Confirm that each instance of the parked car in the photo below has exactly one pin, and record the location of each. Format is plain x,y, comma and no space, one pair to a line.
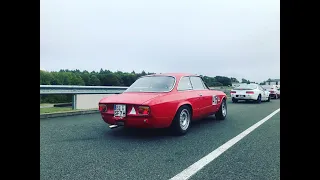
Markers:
274,90
163,100
249,92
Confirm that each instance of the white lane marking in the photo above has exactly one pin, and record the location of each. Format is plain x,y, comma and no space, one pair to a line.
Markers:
197,166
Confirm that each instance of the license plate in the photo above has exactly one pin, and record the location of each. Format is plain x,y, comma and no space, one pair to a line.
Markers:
119,110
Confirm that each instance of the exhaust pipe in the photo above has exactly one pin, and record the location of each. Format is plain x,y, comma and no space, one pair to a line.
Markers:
113,126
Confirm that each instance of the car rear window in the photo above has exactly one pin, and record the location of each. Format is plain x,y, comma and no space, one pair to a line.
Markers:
246,87
152,84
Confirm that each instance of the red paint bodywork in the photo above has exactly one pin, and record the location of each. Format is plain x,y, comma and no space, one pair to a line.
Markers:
163,106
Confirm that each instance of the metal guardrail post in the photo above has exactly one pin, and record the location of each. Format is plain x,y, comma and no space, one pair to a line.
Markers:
74,101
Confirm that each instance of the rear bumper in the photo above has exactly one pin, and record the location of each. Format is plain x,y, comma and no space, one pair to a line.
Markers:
137,121
244,96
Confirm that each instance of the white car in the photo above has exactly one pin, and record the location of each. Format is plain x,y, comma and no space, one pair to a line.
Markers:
274,90
249,92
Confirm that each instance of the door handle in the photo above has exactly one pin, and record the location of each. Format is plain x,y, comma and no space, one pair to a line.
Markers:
200,94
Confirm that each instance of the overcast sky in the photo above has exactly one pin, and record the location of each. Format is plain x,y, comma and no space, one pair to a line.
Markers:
209,37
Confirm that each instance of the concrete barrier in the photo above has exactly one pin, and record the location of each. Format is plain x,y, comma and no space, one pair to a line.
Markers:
89,101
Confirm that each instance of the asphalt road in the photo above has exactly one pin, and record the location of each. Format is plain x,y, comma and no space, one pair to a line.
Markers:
83,147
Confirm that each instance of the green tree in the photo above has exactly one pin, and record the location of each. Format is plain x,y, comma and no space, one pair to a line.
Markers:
245,81
93,81
234,80
85,76
223,80
45,78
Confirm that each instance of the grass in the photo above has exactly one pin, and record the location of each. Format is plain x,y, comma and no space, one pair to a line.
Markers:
54,109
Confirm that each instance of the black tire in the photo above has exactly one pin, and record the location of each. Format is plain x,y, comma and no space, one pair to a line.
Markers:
258,99
175,125
221,115
234,100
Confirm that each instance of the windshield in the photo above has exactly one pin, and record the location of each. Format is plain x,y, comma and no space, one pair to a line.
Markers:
152,84
246,87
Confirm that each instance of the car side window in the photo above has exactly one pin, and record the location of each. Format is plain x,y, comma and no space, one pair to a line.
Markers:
197,83
184,84
261,88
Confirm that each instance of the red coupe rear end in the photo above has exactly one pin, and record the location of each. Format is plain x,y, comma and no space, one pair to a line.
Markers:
164,100
131,115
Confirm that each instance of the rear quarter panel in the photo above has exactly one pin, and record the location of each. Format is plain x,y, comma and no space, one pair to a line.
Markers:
167,106
213,108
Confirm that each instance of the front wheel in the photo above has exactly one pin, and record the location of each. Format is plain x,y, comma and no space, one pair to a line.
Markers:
222,112
181,121
258,99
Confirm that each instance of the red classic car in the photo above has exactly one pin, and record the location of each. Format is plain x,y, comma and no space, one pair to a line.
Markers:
163,100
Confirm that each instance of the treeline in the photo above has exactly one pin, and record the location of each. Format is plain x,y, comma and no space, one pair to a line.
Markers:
105,78
85,78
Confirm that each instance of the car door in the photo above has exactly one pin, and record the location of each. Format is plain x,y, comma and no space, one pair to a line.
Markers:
186,92
209,107
205,98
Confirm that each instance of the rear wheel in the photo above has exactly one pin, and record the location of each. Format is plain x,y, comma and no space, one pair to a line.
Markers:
222,112
258,99
181,121
234,100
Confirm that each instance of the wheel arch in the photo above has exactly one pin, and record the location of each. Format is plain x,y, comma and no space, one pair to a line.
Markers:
188,104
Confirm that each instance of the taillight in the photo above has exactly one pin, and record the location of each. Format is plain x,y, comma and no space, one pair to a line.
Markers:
232,92
144,110
250,92
102,107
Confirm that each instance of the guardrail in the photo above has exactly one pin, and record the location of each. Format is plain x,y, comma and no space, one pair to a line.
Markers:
77,90
66,89
74,90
